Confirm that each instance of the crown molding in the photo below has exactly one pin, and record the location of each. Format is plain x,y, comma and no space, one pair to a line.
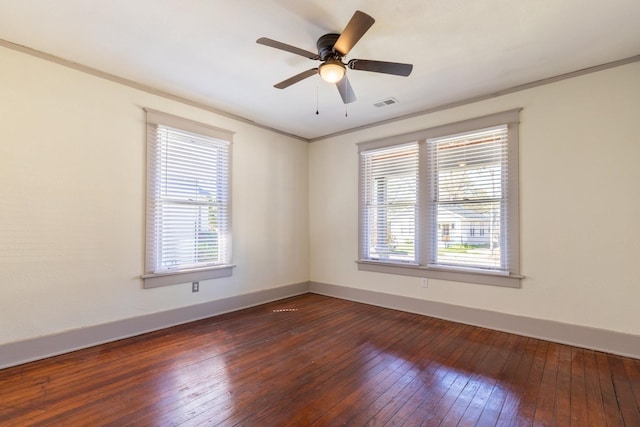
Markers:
154,91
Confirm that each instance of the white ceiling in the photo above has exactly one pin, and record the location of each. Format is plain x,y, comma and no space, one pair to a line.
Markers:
206,51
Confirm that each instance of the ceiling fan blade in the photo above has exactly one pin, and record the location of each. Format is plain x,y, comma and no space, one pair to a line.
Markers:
394,68
346,91
358,25
287,48
295,79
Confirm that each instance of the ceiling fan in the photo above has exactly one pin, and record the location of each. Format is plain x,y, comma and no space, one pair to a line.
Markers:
332,48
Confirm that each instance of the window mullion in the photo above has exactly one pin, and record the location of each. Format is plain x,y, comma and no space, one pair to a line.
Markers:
424,233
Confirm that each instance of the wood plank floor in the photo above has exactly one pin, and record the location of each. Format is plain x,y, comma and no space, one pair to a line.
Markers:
318,361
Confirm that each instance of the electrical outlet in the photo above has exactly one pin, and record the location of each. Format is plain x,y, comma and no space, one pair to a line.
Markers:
195,286
425,282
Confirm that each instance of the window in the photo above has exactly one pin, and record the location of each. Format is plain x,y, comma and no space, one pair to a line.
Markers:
390,177
188,201
443,202
469,173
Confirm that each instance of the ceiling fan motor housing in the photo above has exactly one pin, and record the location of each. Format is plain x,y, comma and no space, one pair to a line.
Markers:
325,47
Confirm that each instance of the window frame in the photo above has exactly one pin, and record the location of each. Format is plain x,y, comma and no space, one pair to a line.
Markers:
152,279
511,119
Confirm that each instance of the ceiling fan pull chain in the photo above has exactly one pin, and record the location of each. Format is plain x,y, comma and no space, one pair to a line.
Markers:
317,110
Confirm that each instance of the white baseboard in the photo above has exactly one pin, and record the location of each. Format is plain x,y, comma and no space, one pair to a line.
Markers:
17,353
564,333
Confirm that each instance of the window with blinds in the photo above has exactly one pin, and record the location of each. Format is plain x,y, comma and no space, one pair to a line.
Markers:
468,210
188,215
443,202
389,199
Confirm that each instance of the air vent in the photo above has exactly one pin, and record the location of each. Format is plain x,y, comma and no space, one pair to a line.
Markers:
385,102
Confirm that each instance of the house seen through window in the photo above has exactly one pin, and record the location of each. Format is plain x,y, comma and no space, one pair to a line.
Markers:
443,202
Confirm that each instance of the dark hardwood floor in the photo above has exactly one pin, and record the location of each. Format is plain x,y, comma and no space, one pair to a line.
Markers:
319,361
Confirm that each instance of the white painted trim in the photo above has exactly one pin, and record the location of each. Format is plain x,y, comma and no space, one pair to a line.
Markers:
146,88
154,280
165,119
139,86
16,353
510,281
576,335
479,98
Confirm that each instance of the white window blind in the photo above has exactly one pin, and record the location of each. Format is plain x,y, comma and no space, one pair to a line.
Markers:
443,202
188,222
389,179
468,194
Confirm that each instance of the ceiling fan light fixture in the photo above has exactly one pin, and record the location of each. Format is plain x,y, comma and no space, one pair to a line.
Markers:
332,71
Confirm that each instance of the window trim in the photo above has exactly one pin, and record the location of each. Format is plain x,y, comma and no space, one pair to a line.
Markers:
511,118
151,279
154,280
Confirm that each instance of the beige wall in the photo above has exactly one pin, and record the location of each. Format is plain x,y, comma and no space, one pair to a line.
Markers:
72,204
580,205
72,180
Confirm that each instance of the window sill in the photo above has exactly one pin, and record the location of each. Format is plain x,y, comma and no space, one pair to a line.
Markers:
482,278
154,280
